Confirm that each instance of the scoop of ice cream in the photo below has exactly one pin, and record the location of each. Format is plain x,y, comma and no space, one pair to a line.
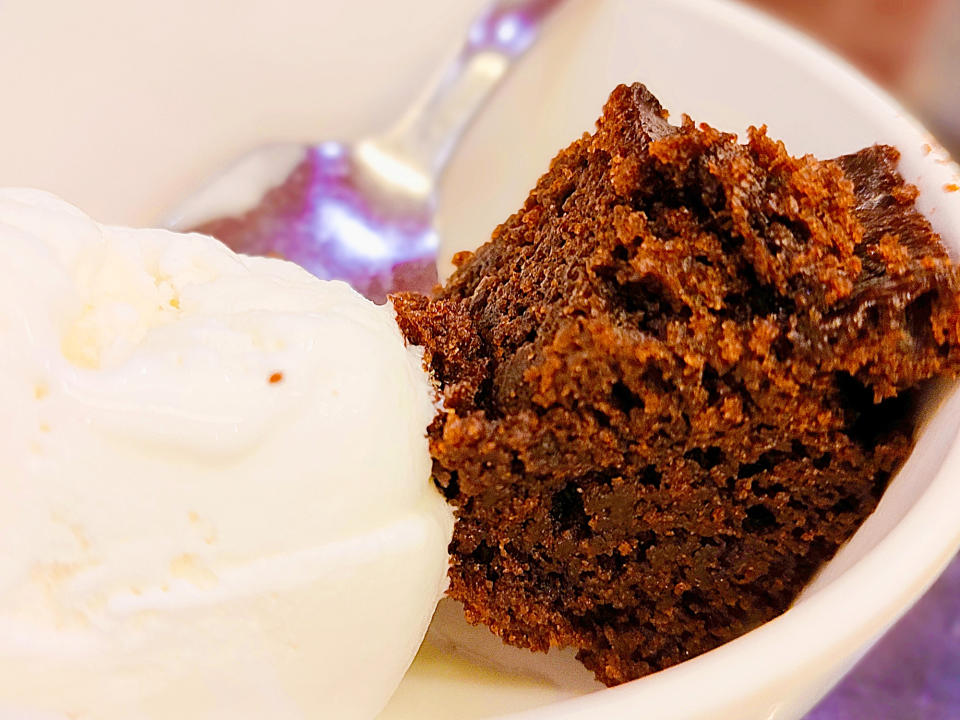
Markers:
216,497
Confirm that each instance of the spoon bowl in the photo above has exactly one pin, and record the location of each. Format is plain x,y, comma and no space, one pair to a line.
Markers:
357,213
363,212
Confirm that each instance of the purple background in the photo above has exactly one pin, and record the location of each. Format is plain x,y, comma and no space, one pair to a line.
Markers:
914,670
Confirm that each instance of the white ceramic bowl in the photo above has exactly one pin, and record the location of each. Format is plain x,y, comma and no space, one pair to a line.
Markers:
121,106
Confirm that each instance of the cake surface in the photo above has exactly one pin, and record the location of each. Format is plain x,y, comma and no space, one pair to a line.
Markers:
674,382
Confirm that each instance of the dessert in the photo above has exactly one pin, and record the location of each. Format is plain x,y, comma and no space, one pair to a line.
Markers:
675,382
216,496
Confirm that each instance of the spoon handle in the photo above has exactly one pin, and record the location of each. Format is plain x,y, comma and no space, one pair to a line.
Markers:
429,129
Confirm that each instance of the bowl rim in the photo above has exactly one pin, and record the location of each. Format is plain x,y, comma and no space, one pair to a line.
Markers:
856,607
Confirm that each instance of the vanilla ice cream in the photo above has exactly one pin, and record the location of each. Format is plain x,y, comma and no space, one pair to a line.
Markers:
215,496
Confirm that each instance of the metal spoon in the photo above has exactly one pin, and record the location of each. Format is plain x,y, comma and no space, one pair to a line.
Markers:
363,211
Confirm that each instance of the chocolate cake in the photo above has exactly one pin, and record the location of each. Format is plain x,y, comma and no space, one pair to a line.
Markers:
675,382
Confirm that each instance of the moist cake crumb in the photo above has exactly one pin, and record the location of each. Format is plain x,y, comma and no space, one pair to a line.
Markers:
675,382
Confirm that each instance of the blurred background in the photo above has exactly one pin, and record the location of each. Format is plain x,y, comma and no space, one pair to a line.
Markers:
912,48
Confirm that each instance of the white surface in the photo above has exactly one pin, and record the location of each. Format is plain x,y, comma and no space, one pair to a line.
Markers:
216,497
123,106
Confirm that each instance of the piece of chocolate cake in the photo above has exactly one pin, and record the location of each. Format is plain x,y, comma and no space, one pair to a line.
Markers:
675,382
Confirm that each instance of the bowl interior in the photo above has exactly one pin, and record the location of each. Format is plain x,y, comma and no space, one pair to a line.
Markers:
123,107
